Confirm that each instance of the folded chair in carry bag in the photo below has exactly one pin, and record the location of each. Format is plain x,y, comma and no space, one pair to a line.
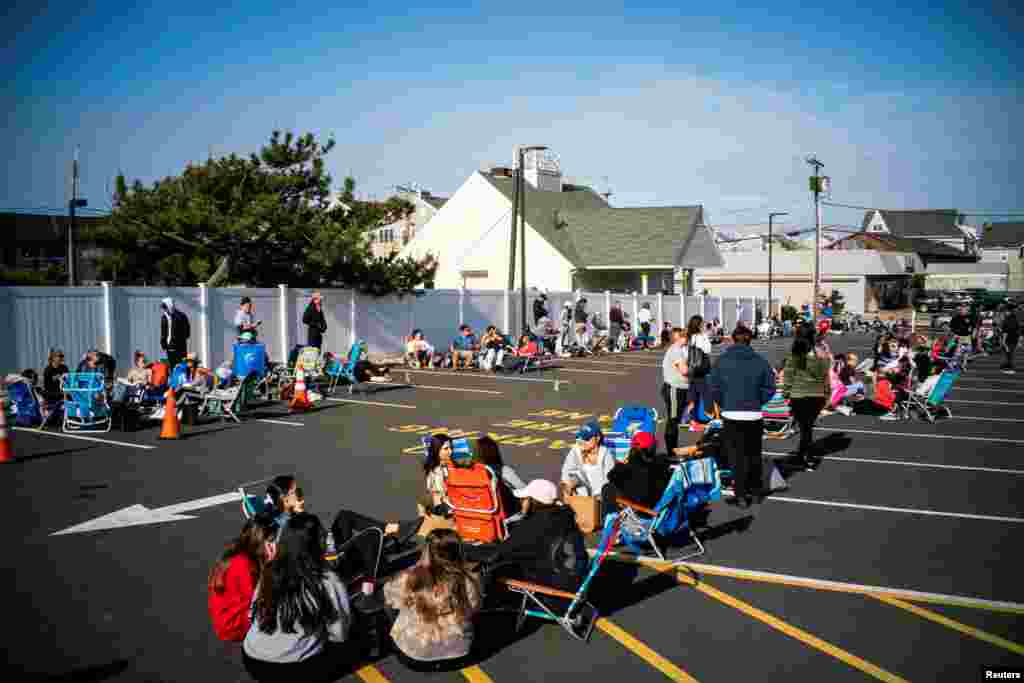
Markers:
642,527
85,402
778,418
579,616
28,410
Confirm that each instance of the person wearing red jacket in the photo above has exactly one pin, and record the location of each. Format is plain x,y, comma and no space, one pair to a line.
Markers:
233,578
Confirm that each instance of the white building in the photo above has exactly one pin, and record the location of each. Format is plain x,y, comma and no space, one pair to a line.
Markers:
574,239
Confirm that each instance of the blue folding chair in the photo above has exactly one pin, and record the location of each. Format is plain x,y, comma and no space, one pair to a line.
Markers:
85,402
345,371
579,616
669,520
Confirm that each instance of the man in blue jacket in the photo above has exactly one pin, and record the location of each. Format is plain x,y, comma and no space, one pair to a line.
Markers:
741,383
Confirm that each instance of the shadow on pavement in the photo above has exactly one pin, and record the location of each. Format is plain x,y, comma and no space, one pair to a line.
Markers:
51,454
91,674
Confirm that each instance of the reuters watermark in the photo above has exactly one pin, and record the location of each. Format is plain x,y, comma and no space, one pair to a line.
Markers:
1001,674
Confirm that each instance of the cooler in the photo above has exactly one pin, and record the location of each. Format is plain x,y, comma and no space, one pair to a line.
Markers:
249,358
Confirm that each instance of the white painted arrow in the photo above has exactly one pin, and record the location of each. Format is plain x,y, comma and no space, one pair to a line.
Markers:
137,514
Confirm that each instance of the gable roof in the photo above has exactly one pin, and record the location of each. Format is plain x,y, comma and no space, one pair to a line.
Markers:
918,222
1008,235
436,202
928,250
581,226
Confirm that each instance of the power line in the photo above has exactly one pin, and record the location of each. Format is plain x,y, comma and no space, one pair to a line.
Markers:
946,211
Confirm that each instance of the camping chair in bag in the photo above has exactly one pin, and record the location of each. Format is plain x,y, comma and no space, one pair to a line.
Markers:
670,517
778,418
579,616
85,402
29,411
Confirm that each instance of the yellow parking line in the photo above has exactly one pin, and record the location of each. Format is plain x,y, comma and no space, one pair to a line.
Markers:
827,585
474,674
792,631
645,653
955,625
370,674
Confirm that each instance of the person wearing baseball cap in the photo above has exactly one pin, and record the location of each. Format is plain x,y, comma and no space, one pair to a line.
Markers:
586,467
642,478
742,382
244,321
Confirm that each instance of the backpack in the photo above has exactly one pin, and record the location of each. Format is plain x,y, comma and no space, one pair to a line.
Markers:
698,361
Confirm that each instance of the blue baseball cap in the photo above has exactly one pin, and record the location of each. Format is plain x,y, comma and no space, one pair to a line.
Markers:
588,431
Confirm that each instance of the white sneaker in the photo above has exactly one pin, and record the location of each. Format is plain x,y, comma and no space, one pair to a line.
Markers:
1009,372
845,410
890,417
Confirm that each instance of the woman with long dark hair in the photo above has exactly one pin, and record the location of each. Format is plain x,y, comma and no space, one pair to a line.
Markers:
285,498
698,358
806,386
440,448
233,578
301,608
436,601
487,452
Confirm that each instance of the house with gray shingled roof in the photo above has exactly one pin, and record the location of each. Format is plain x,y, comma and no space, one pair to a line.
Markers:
1004,243
944,226
574,238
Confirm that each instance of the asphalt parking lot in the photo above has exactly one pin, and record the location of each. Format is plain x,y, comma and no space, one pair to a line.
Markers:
894,560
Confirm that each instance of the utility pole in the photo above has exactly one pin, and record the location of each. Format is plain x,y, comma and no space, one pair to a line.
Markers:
771,217
816,189
516,172
522,241
75,203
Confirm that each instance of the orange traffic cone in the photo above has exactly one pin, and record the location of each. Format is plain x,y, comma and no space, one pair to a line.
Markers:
6,452
300,399
171,429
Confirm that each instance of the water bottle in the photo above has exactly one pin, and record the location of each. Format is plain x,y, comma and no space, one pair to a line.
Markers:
330,543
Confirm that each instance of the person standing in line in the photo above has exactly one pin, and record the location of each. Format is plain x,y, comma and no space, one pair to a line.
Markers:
244,320
580,319
674,386
540,308
698,358
1010,331
315,322
174,332
741,383
615,324
644,318
806,386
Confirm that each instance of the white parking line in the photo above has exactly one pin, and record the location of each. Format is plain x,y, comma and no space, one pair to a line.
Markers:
593,372
920,436
79,437
909,511
493,376
988,419
280,422
431,386
370,403
907,463
956,387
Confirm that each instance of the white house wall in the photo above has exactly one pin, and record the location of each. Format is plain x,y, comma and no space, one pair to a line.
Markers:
471,233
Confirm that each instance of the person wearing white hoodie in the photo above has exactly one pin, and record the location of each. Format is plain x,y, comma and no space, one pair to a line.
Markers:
174,332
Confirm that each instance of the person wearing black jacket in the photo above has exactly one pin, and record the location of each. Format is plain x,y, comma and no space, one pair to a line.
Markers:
961,325
316,324
174,332
540,309
642,478
544,547
741,383
1010,330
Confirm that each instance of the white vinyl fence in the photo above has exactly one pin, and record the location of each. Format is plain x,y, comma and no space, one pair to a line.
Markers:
121,320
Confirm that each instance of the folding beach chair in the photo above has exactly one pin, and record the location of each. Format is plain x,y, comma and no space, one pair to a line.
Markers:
85,402
633,418
345,371
642,527
28,411
472,494
579,616
931,403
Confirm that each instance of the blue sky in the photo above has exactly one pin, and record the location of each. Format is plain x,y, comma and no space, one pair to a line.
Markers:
907,107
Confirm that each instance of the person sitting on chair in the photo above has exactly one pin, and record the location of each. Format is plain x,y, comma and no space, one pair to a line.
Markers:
642,478
434,604
586,467
462,348
544,547
55,369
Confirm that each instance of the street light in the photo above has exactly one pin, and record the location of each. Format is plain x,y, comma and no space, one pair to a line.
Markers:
771,217
519,200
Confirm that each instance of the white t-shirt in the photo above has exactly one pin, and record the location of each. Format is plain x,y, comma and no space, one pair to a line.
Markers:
644,315
702,342
589,479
